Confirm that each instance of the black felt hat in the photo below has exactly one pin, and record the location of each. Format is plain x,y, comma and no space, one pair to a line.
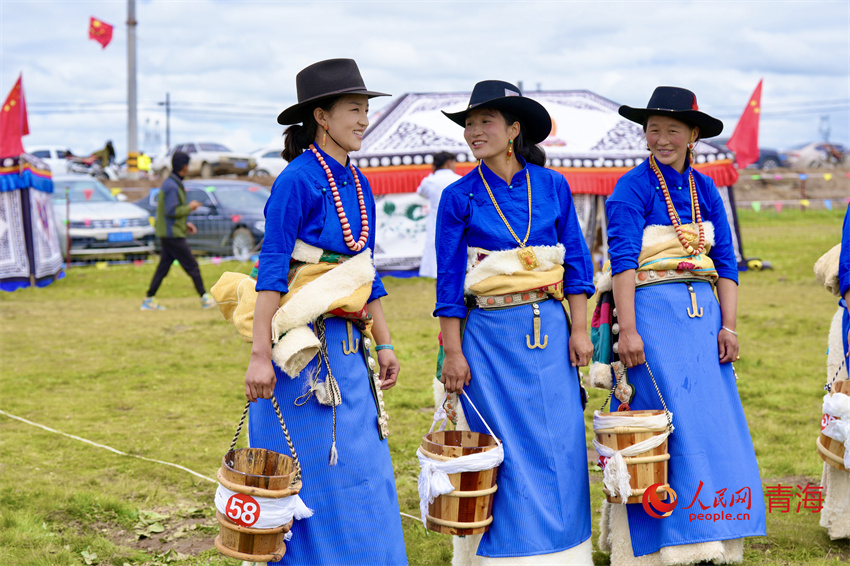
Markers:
677,103
325,79
499,95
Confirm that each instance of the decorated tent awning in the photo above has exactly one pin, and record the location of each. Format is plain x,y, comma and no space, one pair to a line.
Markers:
30,252
590,143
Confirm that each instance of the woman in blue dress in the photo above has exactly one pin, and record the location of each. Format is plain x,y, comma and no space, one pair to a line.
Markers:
318,206
509,241
671,247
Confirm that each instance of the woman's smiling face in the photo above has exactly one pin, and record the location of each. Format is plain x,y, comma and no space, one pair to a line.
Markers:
347,121
668,140
487,133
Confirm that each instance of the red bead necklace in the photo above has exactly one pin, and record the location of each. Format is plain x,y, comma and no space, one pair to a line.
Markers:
674,217
343,220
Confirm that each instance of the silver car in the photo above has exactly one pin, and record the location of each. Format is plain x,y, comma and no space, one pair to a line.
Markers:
99,224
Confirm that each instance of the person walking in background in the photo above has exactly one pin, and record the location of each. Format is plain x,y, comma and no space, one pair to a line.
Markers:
443,174
172,227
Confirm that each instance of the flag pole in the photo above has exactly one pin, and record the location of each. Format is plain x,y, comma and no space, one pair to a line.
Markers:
132,135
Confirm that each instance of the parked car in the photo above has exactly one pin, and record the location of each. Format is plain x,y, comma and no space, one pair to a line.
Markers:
230,220
56,157
269,162
816,154
100,225
768,158
207,159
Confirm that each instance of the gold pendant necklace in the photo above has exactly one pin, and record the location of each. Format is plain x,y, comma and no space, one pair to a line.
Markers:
527,257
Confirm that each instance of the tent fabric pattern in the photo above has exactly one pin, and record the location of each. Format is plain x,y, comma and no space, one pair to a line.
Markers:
590,143
30,252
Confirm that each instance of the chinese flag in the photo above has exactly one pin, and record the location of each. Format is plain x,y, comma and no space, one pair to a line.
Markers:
13,122
745,139
100,31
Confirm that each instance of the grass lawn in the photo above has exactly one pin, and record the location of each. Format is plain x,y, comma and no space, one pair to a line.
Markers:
79,357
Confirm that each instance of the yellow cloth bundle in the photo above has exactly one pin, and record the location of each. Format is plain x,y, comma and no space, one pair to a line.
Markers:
502,272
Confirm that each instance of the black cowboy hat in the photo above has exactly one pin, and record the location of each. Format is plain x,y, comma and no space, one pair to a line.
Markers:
325,79
499,95
677,103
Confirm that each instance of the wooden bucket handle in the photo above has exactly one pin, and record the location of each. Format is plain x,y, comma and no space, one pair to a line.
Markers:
297,476
657,390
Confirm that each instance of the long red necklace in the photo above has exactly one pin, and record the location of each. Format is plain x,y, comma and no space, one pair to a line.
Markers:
343,220
674,217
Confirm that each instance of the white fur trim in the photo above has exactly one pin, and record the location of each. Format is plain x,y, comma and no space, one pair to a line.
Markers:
600,376
506,262
295,350
658,233
314,298
826,270
306,253
605,282
614,526
835,515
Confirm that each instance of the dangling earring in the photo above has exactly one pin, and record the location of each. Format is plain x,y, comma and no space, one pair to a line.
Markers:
691,150
510,149
647,147
325,137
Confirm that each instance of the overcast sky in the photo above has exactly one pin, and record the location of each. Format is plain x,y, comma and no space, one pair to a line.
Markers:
230,66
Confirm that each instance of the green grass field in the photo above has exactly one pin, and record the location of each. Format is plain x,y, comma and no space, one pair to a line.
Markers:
79,357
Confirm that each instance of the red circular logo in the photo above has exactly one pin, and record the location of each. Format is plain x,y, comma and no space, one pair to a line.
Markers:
651,501
243,509
825,420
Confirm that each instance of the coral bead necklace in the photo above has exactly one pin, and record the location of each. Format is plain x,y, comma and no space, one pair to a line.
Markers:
674,217
343,220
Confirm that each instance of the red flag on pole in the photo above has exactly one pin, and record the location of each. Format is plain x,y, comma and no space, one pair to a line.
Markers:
13,121
745,139
100,31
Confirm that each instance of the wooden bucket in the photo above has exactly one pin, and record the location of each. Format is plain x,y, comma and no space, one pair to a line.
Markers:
830,450
468,510
262,473
646,469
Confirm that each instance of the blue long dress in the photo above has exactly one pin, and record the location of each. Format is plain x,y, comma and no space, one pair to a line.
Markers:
712,460
354,501
844,277
530,398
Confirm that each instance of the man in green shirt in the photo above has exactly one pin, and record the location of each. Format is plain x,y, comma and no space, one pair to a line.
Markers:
172,227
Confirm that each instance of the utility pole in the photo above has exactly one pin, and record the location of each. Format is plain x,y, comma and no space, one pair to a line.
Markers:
132,134
167,105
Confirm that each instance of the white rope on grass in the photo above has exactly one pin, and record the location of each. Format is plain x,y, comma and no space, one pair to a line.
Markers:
47,428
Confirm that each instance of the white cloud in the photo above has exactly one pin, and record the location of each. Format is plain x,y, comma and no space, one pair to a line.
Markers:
244,56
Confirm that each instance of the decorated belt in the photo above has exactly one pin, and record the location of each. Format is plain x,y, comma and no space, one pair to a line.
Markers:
653,277
510,300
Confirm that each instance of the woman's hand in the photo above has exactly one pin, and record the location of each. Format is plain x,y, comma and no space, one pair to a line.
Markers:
260,378
191,229
630,348
727,346
581,349
455,373
389,368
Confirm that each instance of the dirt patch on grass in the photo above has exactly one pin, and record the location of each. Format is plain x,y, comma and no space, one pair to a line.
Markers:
190,536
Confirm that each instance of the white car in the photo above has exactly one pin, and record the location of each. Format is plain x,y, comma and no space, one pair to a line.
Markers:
207,159
100,225
269,162
56,157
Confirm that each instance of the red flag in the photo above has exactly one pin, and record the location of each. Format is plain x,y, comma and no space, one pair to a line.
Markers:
13,121
100,31
745,139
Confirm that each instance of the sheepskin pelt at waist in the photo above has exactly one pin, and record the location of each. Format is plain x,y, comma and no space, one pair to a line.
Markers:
501,272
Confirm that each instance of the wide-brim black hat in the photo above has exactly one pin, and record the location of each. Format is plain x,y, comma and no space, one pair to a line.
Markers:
322,80
679,103
499,95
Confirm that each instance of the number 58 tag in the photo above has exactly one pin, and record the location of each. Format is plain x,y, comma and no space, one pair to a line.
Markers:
243,509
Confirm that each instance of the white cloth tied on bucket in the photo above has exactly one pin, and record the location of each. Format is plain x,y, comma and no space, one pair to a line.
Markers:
434,474
616,475
837,406
272,512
